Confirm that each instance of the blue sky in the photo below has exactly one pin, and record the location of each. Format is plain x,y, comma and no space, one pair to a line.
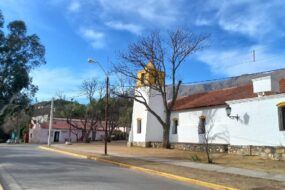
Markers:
74,30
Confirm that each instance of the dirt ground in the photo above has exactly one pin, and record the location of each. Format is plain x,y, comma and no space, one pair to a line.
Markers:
239,161
236,181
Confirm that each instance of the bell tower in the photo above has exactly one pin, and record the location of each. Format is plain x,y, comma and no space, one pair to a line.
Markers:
149,76
145,126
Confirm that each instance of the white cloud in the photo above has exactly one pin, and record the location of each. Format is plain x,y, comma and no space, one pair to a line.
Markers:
163,12
136,29
95,38
53,80
74,6
240,61
203,22
247,17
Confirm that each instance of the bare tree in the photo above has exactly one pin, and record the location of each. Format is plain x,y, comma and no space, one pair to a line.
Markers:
60,95
84,117
166,56
205,137
89,87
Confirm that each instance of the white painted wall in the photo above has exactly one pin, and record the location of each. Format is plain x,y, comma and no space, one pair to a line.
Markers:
265,84
188,120
40,135
139,112
40,119
151,129
259,123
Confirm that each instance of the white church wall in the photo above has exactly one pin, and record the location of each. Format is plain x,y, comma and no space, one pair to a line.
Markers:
188,120
139,112
154,130
258,124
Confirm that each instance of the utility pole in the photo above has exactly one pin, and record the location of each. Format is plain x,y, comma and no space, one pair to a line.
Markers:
106,113
50,122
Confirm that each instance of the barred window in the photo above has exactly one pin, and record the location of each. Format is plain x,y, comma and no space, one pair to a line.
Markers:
139,126
281,112
175,126
201,126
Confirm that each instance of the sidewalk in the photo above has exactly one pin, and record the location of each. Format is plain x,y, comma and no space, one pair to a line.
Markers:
189,164
174,162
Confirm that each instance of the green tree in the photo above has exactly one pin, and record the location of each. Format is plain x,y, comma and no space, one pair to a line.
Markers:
19,54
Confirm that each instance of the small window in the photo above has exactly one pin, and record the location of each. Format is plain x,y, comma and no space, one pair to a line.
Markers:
139,126
201,125
281,111
175,126
142,78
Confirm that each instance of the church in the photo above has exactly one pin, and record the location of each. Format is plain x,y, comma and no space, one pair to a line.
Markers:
245,119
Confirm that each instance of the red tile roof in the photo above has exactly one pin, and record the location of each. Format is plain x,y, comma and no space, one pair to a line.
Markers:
218,97
282,85
61,123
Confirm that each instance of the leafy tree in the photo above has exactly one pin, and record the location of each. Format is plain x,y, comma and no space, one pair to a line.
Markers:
166,54
119,114
87,118
19,54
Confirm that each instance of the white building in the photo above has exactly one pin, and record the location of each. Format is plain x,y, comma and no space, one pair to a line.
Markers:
61,131
257,116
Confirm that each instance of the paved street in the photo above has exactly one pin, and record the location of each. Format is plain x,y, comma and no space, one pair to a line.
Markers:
27,167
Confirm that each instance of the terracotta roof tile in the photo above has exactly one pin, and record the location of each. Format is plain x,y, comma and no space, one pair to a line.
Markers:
219,97
282,85
60,123
214,98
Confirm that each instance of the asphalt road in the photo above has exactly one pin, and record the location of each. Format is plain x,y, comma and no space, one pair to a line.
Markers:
27,167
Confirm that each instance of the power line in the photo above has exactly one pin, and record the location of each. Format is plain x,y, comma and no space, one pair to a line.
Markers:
227,78
210,80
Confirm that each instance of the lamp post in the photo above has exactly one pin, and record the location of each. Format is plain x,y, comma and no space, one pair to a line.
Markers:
91,61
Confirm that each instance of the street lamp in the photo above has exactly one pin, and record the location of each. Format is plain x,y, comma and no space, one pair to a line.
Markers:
229,110
91,61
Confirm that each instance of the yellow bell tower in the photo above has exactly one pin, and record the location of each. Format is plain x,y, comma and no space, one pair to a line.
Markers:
149,76
145,127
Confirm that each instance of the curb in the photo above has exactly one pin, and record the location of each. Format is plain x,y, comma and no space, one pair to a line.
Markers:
145,170
1,187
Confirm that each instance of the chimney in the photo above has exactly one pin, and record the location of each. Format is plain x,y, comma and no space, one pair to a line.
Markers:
266,85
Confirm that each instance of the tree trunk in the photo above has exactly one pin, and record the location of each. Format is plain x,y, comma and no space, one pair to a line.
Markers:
93,134
83,135
208,153
166,129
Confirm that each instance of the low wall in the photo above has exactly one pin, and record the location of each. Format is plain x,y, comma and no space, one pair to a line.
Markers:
266,152
140,144
215,148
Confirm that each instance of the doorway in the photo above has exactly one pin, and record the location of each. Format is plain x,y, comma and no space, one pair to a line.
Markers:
56,136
